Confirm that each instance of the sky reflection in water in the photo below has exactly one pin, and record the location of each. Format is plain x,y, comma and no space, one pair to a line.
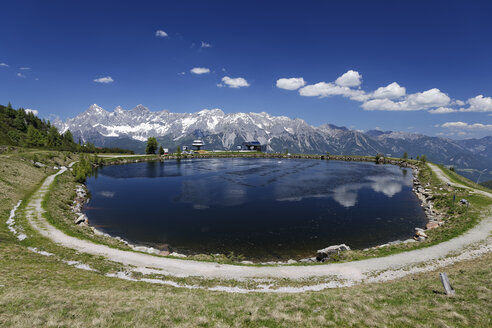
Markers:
261,208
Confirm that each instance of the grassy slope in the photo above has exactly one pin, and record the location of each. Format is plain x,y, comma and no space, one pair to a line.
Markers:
40,291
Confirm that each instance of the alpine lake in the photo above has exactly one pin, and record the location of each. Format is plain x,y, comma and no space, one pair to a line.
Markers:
262,209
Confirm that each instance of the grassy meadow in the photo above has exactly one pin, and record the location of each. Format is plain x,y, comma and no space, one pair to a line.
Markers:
41,291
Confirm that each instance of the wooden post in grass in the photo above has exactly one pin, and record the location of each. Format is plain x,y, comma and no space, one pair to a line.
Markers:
446,284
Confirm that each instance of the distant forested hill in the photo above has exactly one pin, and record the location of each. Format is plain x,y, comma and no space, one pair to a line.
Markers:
487,184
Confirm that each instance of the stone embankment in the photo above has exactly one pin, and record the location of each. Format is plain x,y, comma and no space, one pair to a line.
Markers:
81,197
424,193
346,158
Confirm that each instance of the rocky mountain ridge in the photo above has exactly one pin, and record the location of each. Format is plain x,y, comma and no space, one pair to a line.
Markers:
131,128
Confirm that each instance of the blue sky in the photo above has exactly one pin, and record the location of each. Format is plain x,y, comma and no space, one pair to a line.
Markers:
438,53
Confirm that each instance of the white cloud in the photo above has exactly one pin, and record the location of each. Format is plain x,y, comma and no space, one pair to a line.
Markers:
430,98
323,89
391,91
206,45
34,111
200,70
105,79
3,65
442,110
160,34
466,126
416,101
392,97
237,82
181,73
292,83
478,104
349,79
24,68
21,75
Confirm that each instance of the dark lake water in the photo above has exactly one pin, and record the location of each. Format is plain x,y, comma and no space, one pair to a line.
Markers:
260,208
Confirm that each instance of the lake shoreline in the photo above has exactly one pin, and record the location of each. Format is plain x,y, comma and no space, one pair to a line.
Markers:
164,252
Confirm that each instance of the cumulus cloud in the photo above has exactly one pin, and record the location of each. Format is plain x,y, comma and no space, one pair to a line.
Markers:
391,91
34,111
416,101
323,89
24,68
466,126
237,82
430,98
3,65
292,83
160,34
206,45
349,79
478,104
105,79
21,75
442,110
392,97
200,70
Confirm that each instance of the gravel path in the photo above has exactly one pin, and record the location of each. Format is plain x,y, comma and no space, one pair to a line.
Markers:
386,268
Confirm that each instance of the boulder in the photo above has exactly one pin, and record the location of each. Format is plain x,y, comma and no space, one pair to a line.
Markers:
246,262
420,233
81,219
141,249
152,250
432,225
291,261
323,254
177,254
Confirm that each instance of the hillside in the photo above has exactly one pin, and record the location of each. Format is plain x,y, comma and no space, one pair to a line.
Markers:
22,128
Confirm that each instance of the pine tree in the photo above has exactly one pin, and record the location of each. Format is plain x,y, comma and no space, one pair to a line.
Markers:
161,150
151,146
34,138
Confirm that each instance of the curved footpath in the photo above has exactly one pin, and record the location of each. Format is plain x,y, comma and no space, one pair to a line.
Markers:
374,269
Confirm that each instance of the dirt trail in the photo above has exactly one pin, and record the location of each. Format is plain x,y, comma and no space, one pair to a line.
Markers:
375,269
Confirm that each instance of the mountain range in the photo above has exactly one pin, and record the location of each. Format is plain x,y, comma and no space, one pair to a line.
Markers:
130,129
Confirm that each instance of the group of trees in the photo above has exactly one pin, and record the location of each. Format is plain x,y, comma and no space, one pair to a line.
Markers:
23,128
152,146
421,158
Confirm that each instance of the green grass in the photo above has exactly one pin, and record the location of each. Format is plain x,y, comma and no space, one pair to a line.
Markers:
455,177
39,291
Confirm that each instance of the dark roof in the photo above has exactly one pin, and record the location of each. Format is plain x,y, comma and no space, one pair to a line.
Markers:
254,143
